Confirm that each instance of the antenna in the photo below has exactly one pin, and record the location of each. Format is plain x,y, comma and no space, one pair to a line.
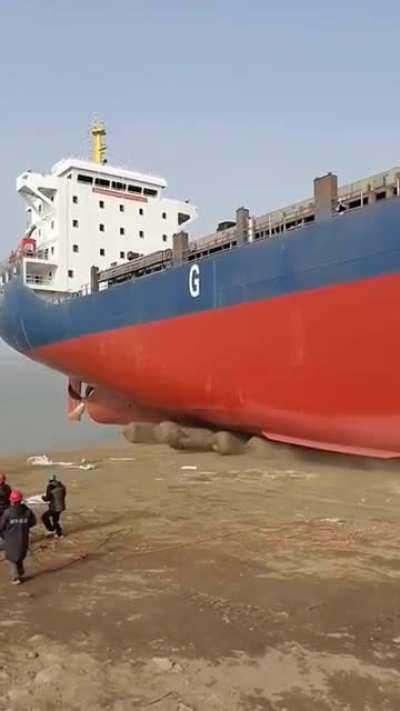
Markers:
99,148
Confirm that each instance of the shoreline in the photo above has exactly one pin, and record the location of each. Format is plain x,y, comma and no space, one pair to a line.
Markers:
61,453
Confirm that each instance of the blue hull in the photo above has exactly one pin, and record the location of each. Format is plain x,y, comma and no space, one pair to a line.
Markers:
351,247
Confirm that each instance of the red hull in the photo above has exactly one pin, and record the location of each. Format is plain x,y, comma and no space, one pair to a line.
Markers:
316,368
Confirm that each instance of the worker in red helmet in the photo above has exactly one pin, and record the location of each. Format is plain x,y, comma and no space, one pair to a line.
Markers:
5,492
15,525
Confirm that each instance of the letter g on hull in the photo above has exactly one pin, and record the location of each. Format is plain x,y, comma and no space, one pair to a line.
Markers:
194,281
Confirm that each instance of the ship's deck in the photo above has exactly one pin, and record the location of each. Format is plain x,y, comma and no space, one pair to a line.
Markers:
351,197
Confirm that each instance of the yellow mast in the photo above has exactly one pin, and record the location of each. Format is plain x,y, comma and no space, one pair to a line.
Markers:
98,132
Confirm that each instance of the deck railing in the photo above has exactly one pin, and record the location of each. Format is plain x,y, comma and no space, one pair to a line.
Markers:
269,226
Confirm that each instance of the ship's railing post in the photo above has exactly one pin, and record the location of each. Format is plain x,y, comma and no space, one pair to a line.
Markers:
242,224
325,196
180,244
94,279
252,229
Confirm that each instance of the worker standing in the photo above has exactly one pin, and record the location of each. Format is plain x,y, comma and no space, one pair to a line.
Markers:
5,491
55,497
15,524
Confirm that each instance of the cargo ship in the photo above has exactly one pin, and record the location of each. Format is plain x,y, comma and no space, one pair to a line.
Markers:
284,325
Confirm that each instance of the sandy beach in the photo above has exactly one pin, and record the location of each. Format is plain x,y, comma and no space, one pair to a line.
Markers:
208,583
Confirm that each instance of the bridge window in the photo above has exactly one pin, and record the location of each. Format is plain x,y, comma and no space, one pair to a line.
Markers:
102,182
134,189
150,191
118,186
84,178
381,195
182,217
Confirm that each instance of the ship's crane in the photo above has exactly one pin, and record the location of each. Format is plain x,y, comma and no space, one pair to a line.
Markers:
99,147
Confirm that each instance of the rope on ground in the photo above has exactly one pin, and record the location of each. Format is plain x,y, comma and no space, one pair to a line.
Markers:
156,701
83,555
318,533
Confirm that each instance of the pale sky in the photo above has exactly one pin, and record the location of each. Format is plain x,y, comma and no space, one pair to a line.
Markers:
234,103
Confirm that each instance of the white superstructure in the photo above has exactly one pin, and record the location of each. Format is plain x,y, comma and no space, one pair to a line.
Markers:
85,214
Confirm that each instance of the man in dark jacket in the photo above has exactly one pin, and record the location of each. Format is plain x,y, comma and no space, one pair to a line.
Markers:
5,492
55,496
15,524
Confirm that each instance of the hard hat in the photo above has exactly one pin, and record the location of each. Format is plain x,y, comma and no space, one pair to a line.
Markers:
16,496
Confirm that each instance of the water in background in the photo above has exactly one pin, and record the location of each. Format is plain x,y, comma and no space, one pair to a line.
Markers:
33,416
